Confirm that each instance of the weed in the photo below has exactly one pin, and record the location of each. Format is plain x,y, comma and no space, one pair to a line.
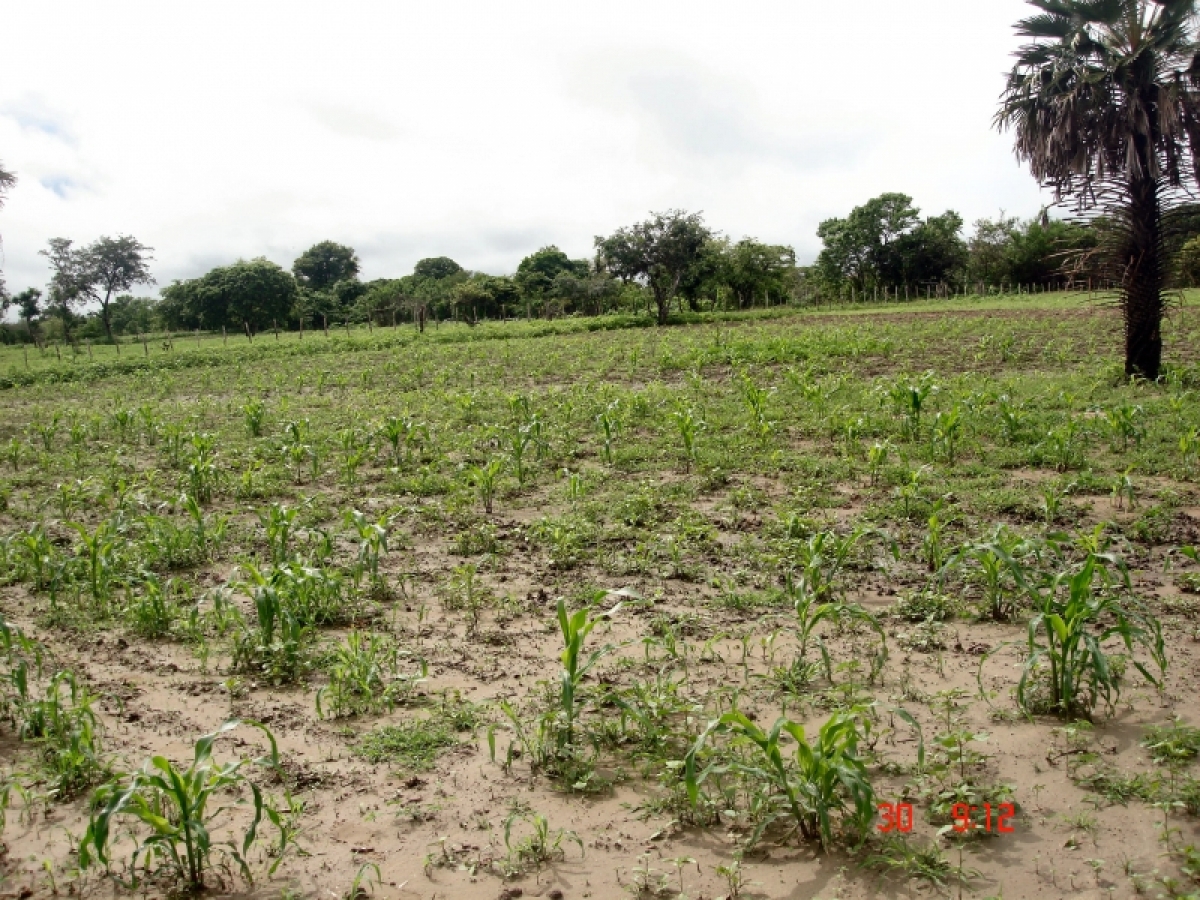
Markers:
365,677
540,844
898,853
411,746
1173,744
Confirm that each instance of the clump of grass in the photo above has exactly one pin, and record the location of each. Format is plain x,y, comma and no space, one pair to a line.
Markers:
415,744
926,861
923,606
1174,743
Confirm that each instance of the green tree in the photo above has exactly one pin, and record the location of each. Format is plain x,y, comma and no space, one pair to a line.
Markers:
1043,251
657,252
1104,103
755,270
932,251
431,286
437,268
382,299
252,294
69,281
859,248
1187,264
538,273
989,248
323,265
134,315
28,304
478,297
111,266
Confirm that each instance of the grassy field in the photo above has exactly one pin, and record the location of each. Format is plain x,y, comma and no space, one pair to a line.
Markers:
592,609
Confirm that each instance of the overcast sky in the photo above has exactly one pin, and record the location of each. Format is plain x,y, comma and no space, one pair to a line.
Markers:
484,130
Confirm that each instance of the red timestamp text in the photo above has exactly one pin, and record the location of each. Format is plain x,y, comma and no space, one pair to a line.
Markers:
895,817
898,817
987,818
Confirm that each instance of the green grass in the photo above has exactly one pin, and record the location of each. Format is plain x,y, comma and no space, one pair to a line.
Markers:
411,746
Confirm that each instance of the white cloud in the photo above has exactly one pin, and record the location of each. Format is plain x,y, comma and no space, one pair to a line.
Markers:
483,131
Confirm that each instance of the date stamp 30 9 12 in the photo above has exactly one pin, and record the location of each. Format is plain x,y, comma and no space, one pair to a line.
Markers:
898,817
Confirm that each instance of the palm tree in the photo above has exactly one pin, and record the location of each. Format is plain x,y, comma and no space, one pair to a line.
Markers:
1105,104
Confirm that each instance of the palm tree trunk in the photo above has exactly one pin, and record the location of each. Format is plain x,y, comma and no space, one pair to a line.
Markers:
1143,281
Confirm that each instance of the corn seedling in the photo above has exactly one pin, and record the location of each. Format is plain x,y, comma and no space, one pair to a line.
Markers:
688,426
1123,491
1125,422
810,614
254,414
998,562
154,612
540,845
372,543
1189,447
910,401
173,804
1064,447
1013,419
575,627
755,399
100,556
520,438
485,480
65,728
202,471
610,425
933,544
811,785
403,435
365,677
820,559
947,431
877,457
1063,637
277,646
278,522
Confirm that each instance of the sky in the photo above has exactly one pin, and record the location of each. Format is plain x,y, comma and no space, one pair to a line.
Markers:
481,130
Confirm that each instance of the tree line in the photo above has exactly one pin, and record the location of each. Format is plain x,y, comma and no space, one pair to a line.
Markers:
670,262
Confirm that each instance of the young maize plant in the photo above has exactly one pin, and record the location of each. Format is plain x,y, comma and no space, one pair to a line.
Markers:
254,412
1066,638
812,785
485,480
688,425
174,807
610,426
